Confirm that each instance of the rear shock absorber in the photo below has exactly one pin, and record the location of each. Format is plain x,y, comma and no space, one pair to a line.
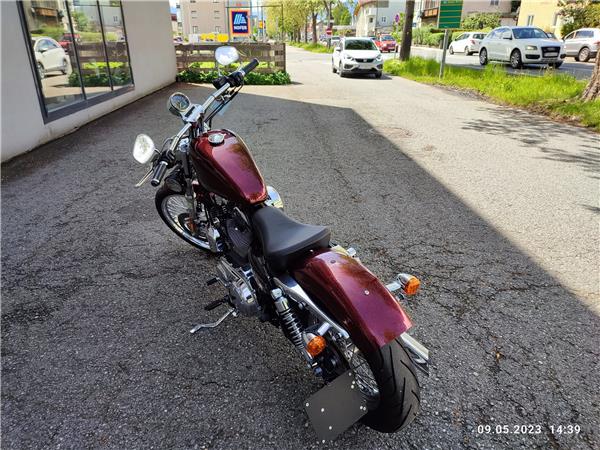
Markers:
288,319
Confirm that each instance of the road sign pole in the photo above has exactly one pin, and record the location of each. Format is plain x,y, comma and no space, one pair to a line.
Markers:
446,38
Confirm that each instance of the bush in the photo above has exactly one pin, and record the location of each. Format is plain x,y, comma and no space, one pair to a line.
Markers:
315,48
435,39
479,21
94,77
253,78
579,14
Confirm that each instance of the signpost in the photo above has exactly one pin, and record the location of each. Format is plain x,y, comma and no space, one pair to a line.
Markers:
448,18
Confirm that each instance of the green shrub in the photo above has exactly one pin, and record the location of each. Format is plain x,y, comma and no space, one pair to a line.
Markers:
315,48
479,21
253,78
121,75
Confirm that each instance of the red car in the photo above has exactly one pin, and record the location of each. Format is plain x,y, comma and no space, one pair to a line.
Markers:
67,40
386,43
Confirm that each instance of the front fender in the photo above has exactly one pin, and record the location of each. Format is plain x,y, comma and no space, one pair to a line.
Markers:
355,298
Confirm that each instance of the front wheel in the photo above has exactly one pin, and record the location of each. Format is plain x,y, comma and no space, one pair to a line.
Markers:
483,58
172,208
515,59
583,55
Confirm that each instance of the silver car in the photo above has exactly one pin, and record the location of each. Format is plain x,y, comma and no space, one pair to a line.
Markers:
466,43
583,44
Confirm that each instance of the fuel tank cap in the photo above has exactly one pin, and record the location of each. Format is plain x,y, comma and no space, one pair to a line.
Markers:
216,138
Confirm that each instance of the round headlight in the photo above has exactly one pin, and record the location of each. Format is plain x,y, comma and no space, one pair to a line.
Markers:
143,149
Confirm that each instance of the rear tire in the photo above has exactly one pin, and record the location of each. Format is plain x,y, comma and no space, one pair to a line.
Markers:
333,69
399,391
451,50
583,55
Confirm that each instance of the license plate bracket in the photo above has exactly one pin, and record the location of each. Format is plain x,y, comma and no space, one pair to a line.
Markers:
336,407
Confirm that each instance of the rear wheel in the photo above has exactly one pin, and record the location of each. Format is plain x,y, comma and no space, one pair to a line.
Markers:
64,68
451,50
333,69
172,208
388,381
41,71
583,55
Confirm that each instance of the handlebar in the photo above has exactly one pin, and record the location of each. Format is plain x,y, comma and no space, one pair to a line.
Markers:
159,173
249,67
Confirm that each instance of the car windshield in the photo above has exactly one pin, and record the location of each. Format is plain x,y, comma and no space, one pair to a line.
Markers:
361,44
387,38
529,33
478,36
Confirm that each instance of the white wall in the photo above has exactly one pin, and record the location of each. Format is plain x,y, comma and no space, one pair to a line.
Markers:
152,56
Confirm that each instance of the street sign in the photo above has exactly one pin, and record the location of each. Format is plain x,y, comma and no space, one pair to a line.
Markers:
240,22
328,31
450,13
260,24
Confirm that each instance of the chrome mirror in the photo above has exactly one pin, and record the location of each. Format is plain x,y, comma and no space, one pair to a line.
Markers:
226,55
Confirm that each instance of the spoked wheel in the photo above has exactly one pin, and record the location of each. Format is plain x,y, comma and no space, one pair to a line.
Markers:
173,210
388,381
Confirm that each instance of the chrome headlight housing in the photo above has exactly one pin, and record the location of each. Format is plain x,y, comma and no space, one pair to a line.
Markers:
530,47
348,58
379,58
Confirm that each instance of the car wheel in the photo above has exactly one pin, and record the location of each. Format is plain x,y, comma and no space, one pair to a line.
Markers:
468,51
378,74
333,69
515,59
451,50
64,68
340,71
583,55
41,71
483,59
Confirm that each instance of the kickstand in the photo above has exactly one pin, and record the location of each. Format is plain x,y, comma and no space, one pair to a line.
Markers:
214,324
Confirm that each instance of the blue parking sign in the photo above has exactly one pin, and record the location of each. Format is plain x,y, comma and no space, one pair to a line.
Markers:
240,19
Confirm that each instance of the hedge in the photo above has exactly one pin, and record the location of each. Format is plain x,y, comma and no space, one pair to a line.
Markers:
254,78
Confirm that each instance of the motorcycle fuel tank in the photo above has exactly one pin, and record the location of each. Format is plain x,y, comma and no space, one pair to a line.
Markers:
225,167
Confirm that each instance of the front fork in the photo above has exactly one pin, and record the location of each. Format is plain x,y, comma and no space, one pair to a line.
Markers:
184,151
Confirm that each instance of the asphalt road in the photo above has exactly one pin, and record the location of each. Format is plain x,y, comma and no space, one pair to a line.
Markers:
496,210
579,70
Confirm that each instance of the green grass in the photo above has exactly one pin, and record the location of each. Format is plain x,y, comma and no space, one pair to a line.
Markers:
315,48
552,93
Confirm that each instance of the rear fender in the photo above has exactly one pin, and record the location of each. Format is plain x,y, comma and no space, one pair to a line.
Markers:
355,298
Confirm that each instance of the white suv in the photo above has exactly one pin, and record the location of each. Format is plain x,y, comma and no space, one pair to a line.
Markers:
357,55
583,44
519,46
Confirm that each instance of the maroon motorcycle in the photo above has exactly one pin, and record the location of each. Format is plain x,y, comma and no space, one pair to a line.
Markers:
349,328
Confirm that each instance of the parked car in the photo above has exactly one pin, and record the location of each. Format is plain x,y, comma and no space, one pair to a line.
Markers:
552,36
583,44
67,40
357,55
386,43
49,56
466,43
519,46
178,40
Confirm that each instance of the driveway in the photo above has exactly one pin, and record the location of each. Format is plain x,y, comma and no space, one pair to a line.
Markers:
496,210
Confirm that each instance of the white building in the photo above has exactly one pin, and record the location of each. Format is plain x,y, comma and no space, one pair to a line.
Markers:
375,16
66,63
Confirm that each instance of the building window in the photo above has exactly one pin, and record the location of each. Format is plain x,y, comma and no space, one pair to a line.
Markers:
79,51
217,14
530,20
217,29
383,19
370,20
494,2
195,29
194,14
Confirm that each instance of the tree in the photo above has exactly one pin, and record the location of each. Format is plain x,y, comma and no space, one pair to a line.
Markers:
341,15
81,20
592,90
579,14
479,21
407,31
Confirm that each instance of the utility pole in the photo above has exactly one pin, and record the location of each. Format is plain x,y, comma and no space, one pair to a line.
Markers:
407,31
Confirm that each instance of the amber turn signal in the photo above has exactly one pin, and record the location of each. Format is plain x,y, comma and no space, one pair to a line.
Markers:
316,345
411,287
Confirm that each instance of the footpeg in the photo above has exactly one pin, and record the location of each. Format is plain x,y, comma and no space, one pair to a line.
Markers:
229,312
216,303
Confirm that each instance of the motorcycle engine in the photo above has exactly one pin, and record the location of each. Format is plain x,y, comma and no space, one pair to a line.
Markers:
237,281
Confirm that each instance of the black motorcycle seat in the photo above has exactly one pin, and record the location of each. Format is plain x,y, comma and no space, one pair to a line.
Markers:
283,239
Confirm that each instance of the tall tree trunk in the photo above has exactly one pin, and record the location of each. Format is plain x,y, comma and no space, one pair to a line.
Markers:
407,31
592,90
306,31
314,27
